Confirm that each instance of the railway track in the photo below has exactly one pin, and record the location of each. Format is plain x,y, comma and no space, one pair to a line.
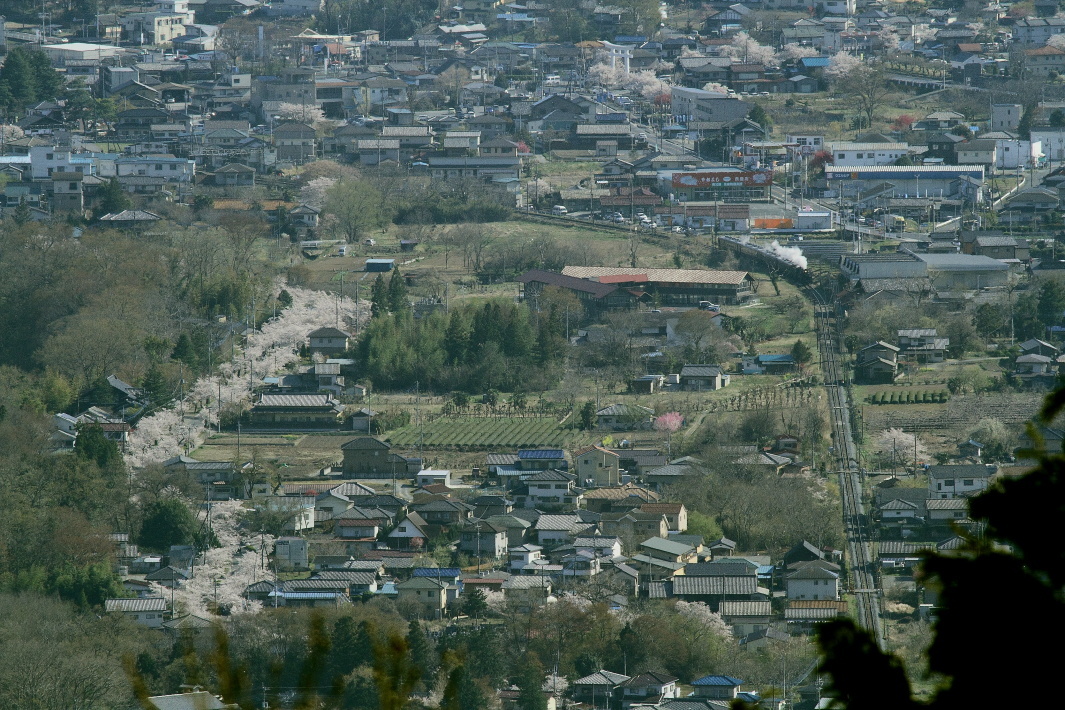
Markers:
862,576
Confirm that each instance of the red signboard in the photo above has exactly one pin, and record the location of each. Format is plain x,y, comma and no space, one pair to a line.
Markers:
722,178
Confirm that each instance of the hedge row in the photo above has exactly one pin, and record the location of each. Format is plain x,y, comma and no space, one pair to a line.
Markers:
909,397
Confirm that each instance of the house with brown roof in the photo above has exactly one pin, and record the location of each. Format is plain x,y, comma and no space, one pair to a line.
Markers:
596,466
675,513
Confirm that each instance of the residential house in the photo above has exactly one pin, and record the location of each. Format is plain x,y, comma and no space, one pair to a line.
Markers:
618,499
717,687
675,513
555,489
624,417
524,556
602,688
803,615
290,553
923,345
1034,346
483,539
368,457
527,591
295,142
898,512
330,341
946,511
815,579
429,593
296,412
649,687
699,378
663,549
146,611
746,616
599,545
959,480
634,524
640,461
234,175
878,363
1044,61
411,533
597,467
802,552
554,530
443,512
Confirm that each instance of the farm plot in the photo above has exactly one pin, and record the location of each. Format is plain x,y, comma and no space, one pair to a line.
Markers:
485,433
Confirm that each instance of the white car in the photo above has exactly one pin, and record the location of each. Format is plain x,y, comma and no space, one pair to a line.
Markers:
677,229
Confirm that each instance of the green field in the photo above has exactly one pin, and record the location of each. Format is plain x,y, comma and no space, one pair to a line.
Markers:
486,433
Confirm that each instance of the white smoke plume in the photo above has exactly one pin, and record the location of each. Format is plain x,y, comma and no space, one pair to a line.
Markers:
792,255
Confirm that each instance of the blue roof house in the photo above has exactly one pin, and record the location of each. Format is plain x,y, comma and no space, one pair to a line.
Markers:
719,687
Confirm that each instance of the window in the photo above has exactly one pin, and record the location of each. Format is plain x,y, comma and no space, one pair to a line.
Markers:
967,482
73,186
949,482
49,156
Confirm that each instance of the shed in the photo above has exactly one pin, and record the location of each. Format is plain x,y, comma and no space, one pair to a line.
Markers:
380,264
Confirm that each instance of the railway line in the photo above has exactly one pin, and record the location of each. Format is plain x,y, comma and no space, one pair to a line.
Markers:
861,566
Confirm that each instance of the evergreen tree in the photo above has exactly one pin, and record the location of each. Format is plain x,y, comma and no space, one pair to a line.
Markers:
112,198
801,352
378,298
457,337
184,351
397,293
587,415
168,522
156,386
421,653
91,444
1051,302
530,682
352,645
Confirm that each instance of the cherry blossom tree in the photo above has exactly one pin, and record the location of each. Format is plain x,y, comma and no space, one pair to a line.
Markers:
842,64
794,51
314,192
311,114
895,444
746,49
669,423
603,73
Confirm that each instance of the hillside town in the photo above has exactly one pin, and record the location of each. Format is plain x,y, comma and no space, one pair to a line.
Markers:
519,355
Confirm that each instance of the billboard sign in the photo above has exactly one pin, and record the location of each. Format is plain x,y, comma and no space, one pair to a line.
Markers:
723,178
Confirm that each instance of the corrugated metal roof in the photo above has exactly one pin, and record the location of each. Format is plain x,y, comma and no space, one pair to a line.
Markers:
709,586
136,605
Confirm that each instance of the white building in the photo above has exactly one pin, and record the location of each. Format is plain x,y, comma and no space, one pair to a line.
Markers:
46,159
847,153
160,26
959,480
168,167
1051,142
147,611
1006,117
817,580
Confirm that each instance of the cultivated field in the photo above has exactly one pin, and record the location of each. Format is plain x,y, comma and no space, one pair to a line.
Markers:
505,433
